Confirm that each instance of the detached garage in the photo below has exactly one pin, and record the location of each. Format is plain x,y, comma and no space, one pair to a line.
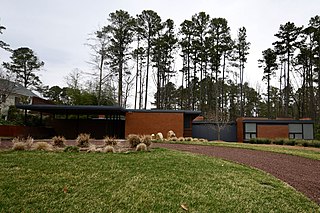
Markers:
248,128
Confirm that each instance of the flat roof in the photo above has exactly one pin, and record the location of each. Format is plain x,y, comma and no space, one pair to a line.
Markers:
189,112
74,110
93,109
278,121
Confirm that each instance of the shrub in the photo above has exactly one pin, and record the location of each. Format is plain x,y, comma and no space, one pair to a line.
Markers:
181,139
44,146
71,149
159,136
153,137
59,141
203,140
29,142
289,142
17,140
173,139
83,140
253,140
134,140
146,139
92,148
278,141
171,134
141,147
260,141
19,146
195,140
188,139
110,141
109,149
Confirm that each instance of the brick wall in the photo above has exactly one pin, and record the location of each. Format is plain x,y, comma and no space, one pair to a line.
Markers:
272,131
152,123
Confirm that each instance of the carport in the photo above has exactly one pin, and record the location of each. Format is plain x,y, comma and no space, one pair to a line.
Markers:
69,121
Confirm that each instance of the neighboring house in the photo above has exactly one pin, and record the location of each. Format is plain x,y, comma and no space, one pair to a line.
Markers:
12,93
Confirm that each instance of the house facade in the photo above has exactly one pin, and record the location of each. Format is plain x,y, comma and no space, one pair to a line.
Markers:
12,93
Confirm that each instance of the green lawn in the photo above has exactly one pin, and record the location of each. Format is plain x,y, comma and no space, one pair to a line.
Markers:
312,153
156,181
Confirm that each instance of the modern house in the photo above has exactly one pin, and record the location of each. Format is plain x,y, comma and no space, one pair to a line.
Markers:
114,121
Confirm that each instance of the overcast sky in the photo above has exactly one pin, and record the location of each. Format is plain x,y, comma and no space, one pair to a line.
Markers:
58,29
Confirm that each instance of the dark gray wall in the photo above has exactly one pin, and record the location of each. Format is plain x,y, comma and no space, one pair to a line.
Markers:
207,131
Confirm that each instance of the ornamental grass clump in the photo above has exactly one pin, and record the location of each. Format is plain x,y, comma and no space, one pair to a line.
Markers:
109,149
43,146
83,140
59,141
133,140
188,139
21,143
110,141
159,136
181,139
19,146
146,139
141,147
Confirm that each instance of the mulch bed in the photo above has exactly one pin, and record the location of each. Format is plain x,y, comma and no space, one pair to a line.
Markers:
301,173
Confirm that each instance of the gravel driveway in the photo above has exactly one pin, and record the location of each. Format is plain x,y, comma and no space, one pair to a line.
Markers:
301,173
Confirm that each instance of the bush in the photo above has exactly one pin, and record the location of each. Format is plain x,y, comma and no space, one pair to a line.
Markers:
171,134
260,141
110,141
188,139
141,147
44,146
173,139
83,140
195,140
92,148
278,141
159,136
146,139
289,142
59,141
134,140
203,140
181,139
109,149
19,146
309,143
71,149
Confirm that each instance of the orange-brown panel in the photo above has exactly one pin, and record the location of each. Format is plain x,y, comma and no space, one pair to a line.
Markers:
240,129
272,131
152,123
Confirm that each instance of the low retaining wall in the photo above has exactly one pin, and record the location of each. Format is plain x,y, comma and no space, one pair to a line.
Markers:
8,131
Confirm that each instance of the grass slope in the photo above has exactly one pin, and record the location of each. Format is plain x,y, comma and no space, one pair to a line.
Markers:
156,181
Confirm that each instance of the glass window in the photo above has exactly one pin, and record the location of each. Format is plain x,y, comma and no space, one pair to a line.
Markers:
295,128
308,131
298,136
247,136
251,127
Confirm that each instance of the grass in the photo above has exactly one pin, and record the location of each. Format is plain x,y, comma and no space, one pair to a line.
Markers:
290,150
156,181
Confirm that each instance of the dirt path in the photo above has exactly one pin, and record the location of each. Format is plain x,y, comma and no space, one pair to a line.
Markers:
301,173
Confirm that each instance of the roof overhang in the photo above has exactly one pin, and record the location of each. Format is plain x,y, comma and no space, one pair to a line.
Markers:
74,110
